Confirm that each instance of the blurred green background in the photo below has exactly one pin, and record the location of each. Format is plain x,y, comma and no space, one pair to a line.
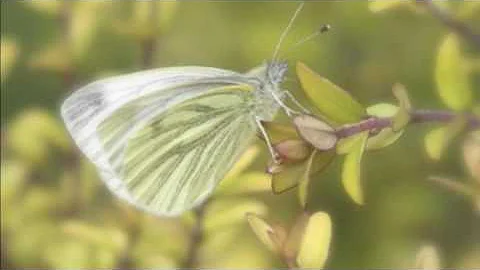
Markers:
56,212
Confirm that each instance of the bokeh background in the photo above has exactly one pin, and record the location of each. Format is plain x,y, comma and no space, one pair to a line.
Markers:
56,213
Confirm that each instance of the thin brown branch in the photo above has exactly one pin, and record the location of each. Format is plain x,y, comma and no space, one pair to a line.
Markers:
448,20
453,185
374,124
149,43
196,237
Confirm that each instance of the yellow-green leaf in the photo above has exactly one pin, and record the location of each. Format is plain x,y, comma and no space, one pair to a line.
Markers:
344,145
351,168
402,117
437,140
279,132
246,183
316,132
386,136
289,176
245,160
382,110
295,236
315,244
262,230
427,258
334,103
452,76
316,163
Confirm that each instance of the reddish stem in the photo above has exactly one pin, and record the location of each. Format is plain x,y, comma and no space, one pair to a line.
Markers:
374,124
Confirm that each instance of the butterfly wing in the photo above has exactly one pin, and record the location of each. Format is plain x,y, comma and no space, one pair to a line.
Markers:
164,146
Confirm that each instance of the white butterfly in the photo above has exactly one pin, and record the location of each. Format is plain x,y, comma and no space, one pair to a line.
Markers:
163,139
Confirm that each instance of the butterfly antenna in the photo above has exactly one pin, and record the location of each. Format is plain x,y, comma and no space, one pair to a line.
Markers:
287,29
323,29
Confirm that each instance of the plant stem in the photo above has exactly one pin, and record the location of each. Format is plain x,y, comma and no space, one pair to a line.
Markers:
148,44
64,20
196,237
374,124
449,21
453,185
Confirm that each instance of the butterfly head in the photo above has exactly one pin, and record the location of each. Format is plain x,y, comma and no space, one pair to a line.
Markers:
275,71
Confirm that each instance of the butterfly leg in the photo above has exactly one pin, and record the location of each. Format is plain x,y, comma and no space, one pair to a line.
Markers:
272,151
288,111
295,101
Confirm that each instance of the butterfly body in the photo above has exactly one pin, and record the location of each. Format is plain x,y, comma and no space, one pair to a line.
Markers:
163,139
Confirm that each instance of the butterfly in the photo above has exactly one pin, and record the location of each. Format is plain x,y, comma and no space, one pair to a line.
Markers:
162,139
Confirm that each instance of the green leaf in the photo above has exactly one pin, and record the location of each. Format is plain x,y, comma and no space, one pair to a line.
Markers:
317,162
402,117
262,230
289,176
316,132
437,140
247,158
382,110
315,244
344,145
451,75
279,132
295,236
333,102
250,182
386,136
351,168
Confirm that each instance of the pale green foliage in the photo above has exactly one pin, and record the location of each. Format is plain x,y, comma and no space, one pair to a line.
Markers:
262,230
402,117
351,170
438,139
452,76
317,162
333,103
386,136
315,244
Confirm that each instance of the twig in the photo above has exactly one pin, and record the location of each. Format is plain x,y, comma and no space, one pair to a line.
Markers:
149,43
453,185
375,124
196,237
448,20
64,20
